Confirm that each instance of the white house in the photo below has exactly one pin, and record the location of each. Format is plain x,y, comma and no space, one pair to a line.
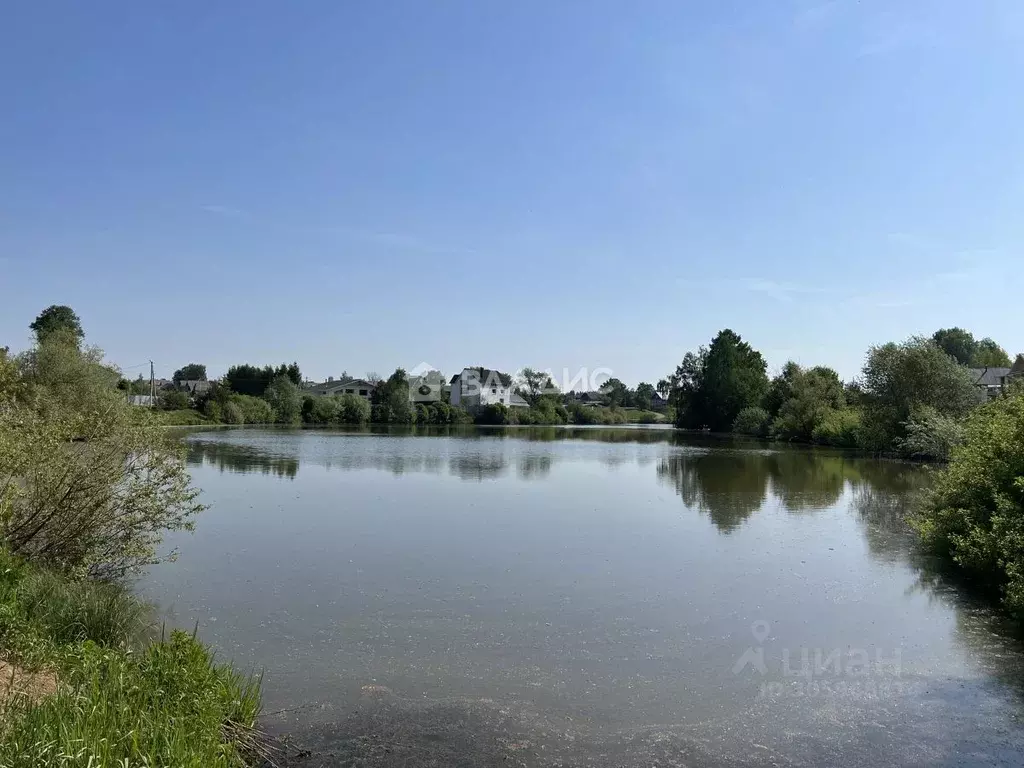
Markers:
475,388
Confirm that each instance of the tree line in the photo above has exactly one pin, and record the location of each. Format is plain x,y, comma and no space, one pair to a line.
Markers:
911,399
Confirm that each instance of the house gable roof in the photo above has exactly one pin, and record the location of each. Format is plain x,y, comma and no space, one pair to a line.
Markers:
989,377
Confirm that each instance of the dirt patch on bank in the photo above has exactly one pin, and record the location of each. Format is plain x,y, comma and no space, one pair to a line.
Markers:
16,682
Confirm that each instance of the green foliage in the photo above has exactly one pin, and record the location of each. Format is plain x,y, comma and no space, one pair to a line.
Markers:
534,384
190,372
353,409
975,511
73,611
930,435
251,380
173,400
180,418
170,705
85,481
711,387
957,343
616,392
643,394
962,346
285,400
813,395
493,414
213,411
232,414
255,410
322,410
57,318
900,378
120,701
753,420
839,428
988,354
390,400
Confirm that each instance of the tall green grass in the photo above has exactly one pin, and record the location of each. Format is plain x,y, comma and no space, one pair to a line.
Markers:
125,697
170,705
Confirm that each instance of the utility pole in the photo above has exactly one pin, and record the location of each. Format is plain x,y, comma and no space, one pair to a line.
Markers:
152,385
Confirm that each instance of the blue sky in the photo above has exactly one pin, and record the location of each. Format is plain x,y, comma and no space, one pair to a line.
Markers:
567,184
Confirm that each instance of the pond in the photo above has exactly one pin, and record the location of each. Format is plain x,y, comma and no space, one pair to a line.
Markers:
605,597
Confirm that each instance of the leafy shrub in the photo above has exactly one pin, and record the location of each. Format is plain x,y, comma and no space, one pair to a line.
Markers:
84,483
839,427
255,410
930,435
213,411
353,410
975,512
493,414
752,421
232,414
173,400
322,410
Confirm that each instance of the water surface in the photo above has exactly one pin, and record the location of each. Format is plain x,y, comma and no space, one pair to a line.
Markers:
587,597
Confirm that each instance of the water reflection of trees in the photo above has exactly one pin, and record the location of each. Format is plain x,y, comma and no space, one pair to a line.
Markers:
884,497
726,486
396,463
730,485
478,466
232,457
534,466
805,480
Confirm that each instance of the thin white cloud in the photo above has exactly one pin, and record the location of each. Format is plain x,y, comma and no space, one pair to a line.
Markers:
779,290
224,210
400,241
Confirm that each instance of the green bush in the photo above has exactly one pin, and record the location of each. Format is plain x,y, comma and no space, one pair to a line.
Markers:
213,411
752,421
255,410
930,435
975,512
173,400
353,410
839,428
321,410
232,414
493,414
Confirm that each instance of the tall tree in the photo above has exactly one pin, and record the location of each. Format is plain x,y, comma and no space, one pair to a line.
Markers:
618,394
190,372
643,395
899,379
285,400
532,384
664,387
57,317
988,354
957,343
711,387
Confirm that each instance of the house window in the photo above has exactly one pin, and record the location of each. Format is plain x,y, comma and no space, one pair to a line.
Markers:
350,391
363,392
494,391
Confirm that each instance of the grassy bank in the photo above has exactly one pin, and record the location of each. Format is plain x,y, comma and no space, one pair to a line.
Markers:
106,691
